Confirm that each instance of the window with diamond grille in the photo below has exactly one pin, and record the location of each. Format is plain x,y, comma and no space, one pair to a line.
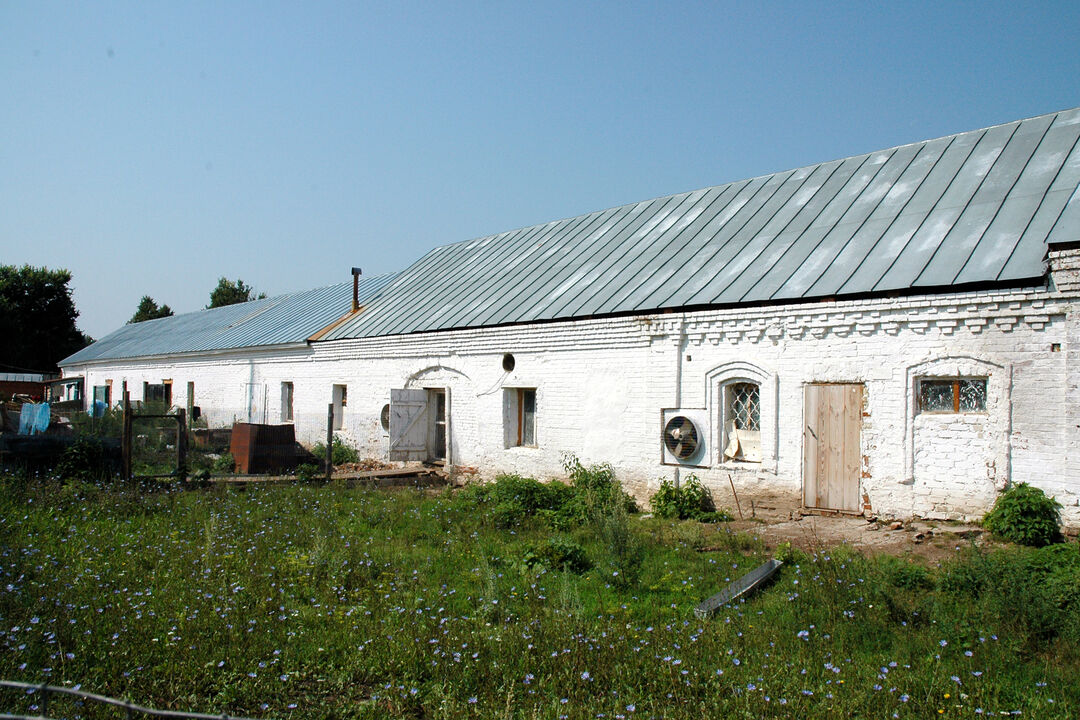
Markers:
742,422
746,406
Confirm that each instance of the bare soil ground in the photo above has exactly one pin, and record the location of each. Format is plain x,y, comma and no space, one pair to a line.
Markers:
776,519
930,541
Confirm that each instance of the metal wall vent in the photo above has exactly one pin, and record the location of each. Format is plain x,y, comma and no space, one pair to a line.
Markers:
685,437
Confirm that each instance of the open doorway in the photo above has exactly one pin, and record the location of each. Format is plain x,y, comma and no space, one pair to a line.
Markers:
420,425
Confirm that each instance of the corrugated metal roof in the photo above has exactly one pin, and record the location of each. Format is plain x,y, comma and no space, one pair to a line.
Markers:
21,377
968,208
271,321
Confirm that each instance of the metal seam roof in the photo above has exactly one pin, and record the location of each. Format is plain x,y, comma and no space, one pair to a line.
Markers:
968,208
278,320
974,207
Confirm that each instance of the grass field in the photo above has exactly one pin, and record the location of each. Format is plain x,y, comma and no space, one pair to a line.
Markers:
326,601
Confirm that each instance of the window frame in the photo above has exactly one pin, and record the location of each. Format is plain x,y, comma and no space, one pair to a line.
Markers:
287,396
955,381
727,398
517,422
768,382
105,392
340,398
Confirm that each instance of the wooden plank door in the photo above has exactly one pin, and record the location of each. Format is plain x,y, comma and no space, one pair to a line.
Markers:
408,426
831,446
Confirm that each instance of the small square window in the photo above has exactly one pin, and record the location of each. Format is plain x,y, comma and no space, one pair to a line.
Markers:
952,395
519,415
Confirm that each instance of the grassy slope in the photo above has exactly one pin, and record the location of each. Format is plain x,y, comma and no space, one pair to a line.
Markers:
334,602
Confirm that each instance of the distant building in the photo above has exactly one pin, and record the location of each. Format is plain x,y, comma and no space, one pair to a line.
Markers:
31,385
894,333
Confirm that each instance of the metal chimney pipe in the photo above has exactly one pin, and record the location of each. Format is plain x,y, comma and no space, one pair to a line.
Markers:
356,288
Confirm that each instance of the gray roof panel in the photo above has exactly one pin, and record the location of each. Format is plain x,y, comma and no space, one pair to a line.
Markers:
977,207
271,321
748,219
969,208
1015,215
857,218
671,256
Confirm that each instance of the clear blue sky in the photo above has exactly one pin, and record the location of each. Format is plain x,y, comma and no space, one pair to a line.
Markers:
151,147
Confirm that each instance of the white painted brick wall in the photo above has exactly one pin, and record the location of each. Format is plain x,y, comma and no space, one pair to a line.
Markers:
602,384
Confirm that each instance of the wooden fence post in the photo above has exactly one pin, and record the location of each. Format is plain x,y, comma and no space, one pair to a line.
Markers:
329,440
181,445
125,446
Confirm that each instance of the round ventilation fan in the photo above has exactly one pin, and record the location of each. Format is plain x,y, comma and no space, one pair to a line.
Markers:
681,437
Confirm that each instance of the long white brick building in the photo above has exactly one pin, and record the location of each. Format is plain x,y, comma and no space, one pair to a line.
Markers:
893,333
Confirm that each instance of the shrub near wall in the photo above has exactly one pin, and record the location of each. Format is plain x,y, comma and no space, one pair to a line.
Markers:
1024,515
689,501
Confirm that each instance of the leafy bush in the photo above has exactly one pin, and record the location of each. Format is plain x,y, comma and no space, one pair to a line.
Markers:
904,574
689,501
596,490
513,498
340,454
559,553
224,464
786,553
1023,514
110,424
626,551
84,460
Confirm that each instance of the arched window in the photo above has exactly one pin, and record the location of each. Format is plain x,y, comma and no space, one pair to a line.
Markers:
741,421
743,403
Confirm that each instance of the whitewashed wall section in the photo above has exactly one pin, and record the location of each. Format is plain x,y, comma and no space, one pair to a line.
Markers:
601,384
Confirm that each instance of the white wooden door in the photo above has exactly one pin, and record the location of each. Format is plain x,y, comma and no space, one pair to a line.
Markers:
408,425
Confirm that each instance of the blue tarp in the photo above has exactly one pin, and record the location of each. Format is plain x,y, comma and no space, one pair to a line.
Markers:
34,418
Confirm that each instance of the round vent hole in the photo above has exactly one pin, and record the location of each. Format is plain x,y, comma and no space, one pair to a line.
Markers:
508,362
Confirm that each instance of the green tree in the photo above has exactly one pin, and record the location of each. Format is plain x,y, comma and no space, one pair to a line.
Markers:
37,318
228,292
149,310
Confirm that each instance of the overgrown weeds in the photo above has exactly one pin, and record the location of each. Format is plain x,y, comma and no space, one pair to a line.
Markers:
1038,590
273,600
340,452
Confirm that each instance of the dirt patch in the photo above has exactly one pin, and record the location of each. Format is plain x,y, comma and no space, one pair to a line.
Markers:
932,542
776,517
